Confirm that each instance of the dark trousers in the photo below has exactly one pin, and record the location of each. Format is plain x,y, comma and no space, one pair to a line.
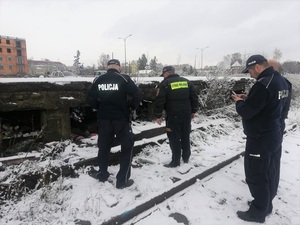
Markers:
261,170
278,158
108,130
178,131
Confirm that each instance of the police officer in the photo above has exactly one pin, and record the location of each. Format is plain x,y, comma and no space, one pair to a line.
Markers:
114,96
178,97
285,111
261,112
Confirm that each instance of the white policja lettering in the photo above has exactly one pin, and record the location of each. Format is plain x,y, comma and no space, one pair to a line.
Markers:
108,87
283,94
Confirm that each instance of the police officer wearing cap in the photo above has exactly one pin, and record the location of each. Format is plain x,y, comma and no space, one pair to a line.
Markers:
261,112
114,96
178,97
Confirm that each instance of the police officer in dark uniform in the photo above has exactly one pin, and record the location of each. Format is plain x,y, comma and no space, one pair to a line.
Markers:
114,96
284,115
261,112
178,97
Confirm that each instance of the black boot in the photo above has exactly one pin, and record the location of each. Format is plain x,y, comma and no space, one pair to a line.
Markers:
172,165
248,216
125,185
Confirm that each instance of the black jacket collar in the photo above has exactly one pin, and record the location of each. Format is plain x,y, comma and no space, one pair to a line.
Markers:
113,70
267,72
173,75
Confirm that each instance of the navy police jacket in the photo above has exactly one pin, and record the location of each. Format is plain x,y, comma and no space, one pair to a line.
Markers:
287,104
261,112
113,95
176,95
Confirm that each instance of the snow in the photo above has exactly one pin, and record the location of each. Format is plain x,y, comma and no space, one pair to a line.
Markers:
67,98
212,200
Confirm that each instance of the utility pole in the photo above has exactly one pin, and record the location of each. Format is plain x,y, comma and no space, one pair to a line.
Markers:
195,63
124,39
202,49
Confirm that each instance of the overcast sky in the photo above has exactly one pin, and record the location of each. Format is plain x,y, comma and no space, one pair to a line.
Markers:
172,30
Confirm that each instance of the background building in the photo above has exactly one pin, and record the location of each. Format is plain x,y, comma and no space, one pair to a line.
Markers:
13,56
44,67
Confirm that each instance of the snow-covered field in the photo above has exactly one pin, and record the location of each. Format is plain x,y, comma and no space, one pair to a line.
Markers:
213,200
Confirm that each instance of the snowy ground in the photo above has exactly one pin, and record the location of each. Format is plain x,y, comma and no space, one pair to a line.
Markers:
213,200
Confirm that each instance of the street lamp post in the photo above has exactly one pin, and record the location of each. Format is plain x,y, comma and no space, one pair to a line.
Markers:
196,58
195,63
202,49
124,39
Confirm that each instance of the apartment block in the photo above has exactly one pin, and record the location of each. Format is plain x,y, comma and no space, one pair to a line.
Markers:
13,56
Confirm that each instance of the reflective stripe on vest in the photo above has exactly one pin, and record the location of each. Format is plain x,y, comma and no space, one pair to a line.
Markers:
179,85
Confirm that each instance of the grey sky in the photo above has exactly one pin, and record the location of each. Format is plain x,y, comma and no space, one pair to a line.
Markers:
171,30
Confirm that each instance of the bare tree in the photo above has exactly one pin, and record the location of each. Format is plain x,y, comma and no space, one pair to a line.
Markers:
102,62
291,67
277,54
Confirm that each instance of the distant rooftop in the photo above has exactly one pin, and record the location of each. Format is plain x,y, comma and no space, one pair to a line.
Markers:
8,37
43,62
